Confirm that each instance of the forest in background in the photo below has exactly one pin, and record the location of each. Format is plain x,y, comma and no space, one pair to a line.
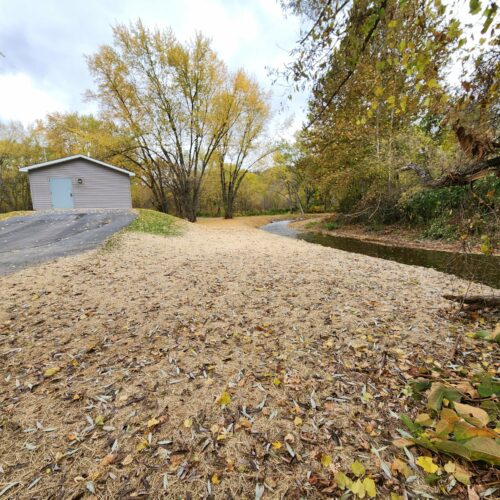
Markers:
403,123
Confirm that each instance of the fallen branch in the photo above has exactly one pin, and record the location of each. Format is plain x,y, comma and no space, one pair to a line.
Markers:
456,178
483,300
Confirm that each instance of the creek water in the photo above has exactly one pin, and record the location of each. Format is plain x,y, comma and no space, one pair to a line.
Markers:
481,268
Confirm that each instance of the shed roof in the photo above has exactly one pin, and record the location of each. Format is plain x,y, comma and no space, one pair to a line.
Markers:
75,157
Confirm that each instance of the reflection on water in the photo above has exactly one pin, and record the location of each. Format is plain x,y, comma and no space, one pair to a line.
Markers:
482,268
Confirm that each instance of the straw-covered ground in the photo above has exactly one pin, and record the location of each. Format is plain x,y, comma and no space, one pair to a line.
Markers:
224,361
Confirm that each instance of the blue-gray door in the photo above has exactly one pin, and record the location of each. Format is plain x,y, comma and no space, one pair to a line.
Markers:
61,191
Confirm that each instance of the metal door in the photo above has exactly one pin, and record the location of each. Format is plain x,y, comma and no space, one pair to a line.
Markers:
61,191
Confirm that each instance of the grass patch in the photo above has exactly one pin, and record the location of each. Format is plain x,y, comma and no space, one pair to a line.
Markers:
19,213
153,222
332,225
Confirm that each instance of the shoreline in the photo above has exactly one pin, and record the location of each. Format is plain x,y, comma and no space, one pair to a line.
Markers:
391,236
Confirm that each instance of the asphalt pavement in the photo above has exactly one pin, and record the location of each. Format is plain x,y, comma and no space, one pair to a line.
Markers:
47,235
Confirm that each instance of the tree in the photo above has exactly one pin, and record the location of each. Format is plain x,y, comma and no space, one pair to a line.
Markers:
175,101
239,149
18,147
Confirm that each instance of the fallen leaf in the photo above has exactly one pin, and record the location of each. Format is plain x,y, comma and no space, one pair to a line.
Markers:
326,460
473,415
152,422
49,372
462,475
370,488
108,459
358,489
400,466
358,468
224,399
427,464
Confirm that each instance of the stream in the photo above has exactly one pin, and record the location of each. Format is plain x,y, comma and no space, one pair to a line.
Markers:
486,268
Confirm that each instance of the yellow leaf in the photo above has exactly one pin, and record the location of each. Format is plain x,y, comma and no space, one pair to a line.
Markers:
366,397
342,480
449,467
152,422
370,488
358,468
358,489
215,479
224,399
427,464
423,419
51,371
99,420
461,474
143,444
277,445
297,421
326,460
402,103
432,84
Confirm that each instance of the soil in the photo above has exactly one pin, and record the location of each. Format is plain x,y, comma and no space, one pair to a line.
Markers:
227,362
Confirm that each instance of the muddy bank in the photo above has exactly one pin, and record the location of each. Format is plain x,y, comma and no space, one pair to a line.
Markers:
391,235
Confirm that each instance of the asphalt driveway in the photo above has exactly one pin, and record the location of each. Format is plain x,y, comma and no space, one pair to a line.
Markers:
45,236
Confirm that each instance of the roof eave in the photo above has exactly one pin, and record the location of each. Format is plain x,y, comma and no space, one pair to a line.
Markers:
75,157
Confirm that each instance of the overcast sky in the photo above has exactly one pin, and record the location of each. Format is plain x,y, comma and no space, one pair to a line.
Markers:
44,42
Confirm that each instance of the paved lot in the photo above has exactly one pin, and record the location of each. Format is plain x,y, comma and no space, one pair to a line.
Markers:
48,235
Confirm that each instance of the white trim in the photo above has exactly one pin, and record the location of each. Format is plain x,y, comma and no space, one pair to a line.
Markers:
76,157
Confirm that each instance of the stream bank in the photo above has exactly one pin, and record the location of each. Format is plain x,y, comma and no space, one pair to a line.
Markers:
475,267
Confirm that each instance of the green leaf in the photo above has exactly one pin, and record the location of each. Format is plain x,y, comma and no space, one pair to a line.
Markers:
474,6
483,448
419,385
432,83
439,392
410,425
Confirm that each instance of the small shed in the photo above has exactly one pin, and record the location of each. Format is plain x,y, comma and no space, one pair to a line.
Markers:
78,182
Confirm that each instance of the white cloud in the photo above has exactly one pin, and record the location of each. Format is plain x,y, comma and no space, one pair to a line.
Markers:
21,99
44,42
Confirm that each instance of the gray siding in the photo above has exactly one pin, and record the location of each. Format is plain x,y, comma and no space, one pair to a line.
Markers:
102,187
